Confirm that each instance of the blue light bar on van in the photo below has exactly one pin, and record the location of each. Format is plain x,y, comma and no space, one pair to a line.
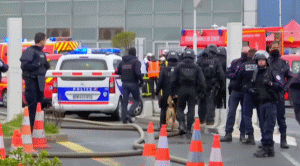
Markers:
79,51
106,51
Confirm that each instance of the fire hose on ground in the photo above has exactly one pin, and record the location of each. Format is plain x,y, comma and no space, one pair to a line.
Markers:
137,147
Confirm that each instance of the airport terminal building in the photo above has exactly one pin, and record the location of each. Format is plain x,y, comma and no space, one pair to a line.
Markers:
94,22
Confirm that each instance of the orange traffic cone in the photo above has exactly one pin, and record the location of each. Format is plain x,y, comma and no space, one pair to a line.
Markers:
26,133
149,151
39,139
16,142
215,155
162,152
195,157
2,148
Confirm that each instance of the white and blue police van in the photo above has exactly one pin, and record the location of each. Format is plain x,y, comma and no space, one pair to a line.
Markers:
85,95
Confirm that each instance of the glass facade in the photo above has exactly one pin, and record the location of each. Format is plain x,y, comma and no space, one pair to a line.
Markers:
94,22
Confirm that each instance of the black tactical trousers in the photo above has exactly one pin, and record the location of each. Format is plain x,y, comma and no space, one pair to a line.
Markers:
206,106
33,95
186,94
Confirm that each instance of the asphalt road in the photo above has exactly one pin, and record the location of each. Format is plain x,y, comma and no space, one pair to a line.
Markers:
234,153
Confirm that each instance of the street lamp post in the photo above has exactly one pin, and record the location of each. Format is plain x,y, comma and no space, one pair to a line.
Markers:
196,3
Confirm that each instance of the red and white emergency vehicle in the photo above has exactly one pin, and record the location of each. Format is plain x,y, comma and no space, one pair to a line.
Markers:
53,45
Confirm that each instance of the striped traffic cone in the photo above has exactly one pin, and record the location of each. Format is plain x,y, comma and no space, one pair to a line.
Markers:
215,155
39,139
26,133
2,148
149,151
195,157
16,142
162,152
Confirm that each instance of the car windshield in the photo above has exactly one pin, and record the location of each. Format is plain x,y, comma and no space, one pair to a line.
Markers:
296,67
83,64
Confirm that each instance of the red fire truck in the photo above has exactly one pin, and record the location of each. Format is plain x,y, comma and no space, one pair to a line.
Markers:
55,45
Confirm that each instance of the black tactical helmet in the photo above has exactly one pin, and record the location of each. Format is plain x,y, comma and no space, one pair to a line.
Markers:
222,51
189,54
173,56
212,48
261,54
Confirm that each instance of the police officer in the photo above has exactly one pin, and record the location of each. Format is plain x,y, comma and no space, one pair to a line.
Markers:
294,91
283,68
214,78
130,71
236,97
267,85
189,80
34,67
164,84
221,95
244,75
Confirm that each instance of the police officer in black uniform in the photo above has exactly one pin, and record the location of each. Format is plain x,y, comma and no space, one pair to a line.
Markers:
34,66
215,79
221,95
294,92
189,80
267,85
164,84
235,97
244,75
130,71
283,68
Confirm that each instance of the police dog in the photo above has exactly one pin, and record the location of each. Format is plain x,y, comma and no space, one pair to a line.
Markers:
171,113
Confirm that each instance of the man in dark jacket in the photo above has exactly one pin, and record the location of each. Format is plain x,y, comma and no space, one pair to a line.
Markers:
283,68
164,83
294,91
214,79
130,71
235,97
34,66
221,95
188,80
267,85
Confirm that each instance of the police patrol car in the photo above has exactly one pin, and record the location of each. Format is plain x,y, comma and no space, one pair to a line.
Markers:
85,95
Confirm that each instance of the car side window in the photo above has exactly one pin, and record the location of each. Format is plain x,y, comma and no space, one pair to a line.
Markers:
116,62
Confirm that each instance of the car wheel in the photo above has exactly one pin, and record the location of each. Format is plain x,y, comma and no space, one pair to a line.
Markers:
138,111
84,115
4,99
118,112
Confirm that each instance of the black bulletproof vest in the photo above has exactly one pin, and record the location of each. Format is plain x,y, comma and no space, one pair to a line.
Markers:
209,67
187,75
127,72
250,67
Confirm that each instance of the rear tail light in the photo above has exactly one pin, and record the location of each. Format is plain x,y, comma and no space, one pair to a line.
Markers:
54,85
112,85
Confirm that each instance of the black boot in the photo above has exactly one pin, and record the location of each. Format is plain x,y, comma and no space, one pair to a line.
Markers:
182,128
283,143
271,151
250,140
189,133
227,138
242,136
261,152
